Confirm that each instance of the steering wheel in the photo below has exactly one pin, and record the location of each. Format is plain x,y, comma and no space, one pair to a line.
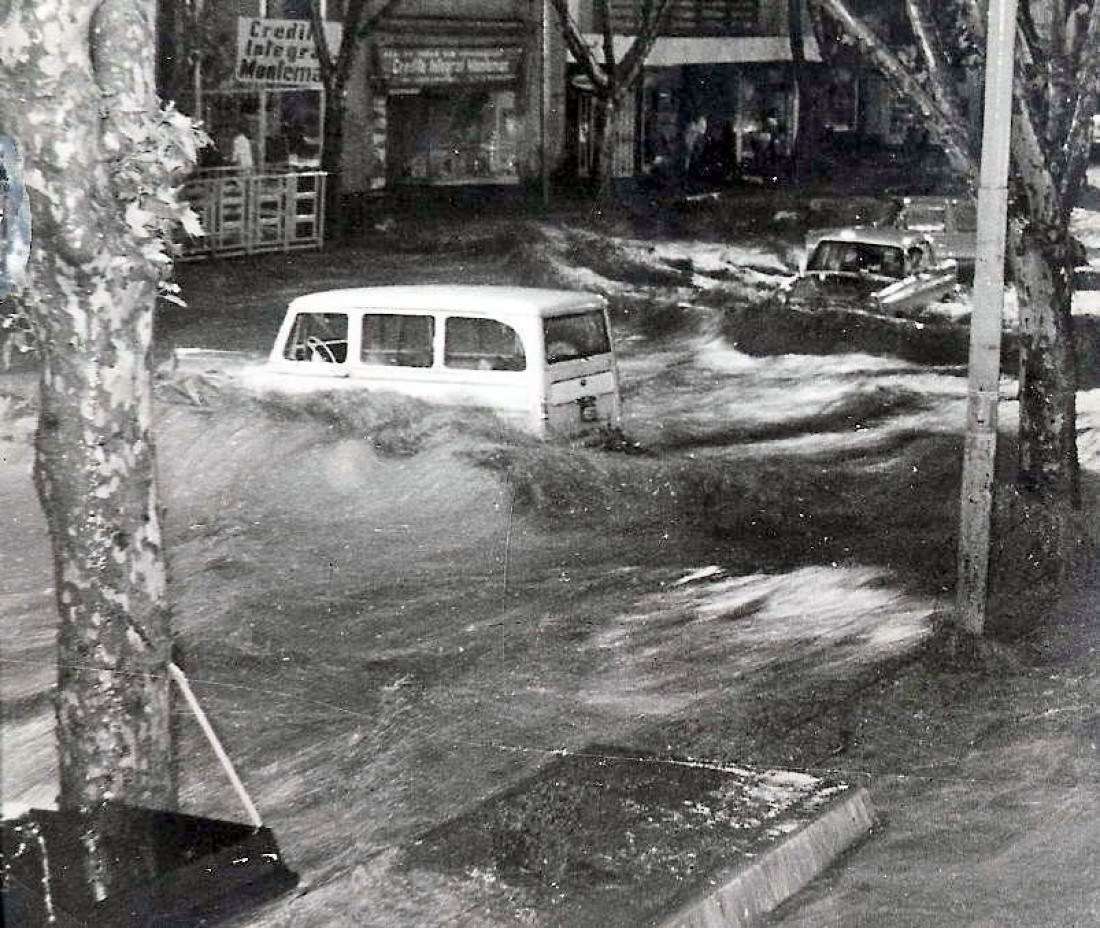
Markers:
316,348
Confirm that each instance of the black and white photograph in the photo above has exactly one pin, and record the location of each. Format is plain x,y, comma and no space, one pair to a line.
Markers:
549,463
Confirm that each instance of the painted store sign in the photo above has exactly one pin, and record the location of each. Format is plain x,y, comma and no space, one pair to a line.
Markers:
281,52
429,66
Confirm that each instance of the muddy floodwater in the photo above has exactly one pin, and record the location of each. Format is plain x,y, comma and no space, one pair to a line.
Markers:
391,611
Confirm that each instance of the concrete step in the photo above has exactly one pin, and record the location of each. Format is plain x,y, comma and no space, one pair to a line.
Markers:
613,838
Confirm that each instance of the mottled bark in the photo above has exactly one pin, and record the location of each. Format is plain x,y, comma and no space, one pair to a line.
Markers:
1048,382
95,477
76,74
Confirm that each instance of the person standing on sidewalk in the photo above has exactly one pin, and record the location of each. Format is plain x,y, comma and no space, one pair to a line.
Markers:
241,155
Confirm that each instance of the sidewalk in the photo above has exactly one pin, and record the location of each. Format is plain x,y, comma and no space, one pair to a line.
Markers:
995,819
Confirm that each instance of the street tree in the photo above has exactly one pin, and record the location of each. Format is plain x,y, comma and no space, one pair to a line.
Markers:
196,50
101,159
613,79
805,132
1055,95
359,21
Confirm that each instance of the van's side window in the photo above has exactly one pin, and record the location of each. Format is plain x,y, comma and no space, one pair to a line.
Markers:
401,341
579,335
318,337
482,344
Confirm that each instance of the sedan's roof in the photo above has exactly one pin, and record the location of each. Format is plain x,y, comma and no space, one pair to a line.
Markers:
871,235
466,298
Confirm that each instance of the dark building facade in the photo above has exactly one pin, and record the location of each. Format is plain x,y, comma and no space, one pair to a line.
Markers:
482,92
454,93
439,93
718,87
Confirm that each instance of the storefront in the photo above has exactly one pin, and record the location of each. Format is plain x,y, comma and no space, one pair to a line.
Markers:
453,113
716,119
718,95
717,107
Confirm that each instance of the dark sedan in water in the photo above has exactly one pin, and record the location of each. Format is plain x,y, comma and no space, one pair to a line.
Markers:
886,270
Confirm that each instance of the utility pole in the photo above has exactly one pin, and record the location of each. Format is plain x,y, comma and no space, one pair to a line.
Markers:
544,100
979,455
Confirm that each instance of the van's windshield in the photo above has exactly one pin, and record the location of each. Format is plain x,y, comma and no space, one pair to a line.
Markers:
577,335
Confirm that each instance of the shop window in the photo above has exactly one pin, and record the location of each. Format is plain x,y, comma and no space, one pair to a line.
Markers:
482,344
283,127
400,341
464,136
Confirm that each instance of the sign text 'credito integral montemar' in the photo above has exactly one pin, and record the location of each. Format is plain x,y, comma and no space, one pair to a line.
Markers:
281,52
426,66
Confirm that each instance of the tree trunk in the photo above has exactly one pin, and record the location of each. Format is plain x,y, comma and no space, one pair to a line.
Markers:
78,90
332,160
95,476
1048,463
804,132
605,139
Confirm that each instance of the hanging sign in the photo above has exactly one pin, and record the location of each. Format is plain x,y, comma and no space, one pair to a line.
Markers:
281,52
428,66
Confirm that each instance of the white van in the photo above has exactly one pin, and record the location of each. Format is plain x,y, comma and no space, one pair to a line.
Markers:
543,359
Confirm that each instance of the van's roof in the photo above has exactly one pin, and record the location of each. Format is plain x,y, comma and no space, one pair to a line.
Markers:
525,301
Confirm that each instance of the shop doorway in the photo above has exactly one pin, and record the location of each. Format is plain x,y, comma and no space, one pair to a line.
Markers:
453,137
581,104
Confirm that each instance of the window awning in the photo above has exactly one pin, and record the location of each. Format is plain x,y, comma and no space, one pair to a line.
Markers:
673,51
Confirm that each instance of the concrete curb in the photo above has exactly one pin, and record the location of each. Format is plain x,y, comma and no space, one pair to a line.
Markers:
744,896
623,840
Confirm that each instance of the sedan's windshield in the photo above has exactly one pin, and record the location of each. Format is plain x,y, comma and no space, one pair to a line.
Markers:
858,257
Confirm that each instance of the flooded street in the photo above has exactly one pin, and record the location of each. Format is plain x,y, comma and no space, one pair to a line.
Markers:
392,611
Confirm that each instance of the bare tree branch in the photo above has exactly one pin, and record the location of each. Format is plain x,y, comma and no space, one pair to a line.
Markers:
324,53
377,16
336,71
608,39
951,136
941,82
1087,81
353,15
1032,167
1060,72
975,12
653,20
1027,23
1030,145
578,47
